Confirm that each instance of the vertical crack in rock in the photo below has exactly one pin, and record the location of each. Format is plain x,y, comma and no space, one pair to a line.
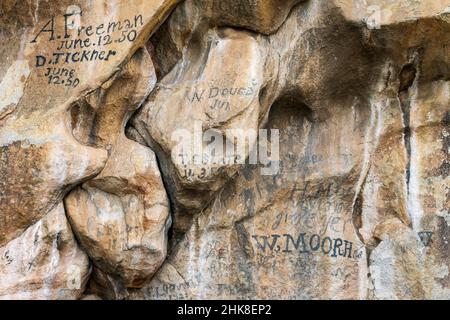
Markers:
407,77
370,144
121,216
357,209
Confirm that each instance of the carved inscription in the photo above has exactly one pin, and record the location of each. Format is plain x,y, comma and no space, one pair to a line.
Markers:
304,243
75,43
218,98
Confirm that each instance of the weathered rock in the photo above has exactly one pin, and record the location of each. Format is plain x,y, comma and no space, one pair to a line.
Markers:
262,232
67,90
301,149
99,118
38,166
45,262
263,16
121,217
64,51
350,214
199,101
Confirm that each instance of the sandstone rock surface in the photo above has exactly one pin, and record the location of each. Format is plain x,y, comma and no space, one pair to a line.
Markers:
45,262
204,149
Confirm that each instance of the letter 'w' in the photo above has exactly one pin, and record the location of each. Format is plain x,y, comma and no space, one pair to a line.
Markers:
266,242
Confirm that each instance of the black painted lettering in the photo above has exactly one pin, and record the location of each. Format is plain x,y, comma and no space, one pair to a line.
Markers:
266,242
330,245
99,28
66,24
40,61
50,22
74,59
128,24
80,29
77,42
300,238
132,35
316,247
89,31
211,92
64,72
347,248
337,246
85,56
196,96
110,53
425,237
113,25
67,57
61,45
138,22
94,55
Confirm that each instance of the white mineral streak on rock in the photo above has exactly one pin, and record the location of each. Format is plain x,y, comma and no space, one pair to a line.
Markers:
40,263
414,202
12,86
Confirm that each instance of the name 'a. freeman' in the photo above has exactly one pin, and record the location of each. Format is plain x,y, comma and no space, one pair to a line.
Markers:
99,30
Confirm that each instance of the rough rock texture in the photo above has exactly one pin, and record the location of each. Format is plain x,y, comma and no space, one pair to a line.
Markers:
122,217
44,262
116,122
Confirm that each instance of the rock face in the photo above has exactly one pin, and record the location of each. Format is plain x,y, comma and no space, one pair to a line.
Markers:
238,149
44,262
